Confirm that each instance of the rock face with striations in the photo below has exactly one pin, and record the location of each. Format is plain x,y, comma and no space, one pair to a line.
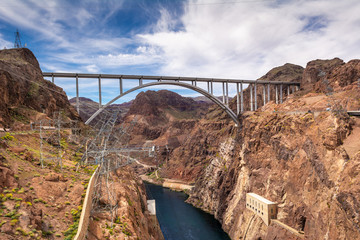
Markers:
24,94
305,162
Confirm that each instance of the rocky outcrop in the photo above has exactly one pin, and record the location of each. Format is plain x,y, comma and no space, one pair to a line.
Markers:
344,76
24,94
316,71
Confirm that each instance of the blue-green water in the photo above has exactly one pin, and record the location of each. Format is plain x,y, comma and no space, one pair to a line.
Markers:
181,221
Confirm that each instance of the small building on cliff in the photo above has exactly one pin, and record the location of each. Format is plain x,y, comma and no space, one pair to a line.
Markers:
262,207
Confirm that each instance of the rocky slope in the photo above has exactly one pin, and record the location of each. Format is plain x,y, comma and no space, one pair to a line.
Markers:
306,162
45,202
39,203
24,94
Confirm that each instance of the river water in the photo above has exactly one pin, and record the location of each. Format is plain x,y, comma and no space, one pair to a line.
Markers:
181,221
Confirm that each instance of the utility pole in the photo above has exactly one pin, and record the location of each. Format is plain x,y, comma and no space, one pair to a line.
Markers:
17,43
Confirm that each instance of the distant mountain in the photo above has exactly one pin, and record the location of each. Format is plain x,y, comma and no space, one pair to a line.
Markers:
162,106
88,107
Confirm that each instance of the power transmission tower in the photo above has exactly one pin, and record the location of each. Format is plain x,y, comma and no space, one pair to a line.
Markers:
17,43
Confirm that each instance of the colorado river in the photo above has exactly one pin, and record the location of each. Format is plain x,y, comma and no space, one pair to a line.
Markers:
181,221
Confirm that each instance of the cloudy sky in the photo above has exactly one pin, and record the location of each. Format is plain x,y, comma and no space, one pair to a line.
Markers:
240,39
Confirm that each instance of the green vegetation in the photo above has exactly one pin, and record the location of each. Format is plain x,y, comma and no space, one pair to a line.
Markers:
16,115
22,231
8,137
33,90
72,230
36,200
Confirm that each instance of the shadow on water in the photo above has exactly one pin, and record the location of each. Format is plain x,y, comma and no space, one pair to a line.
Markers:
179,220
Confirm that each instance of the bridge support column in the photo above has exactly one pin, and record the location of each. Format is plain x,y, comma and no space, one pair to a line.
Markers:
121,85
281,93
296,88
223,88
208,87
77,94
241,97
276,95
251,98
268,90
99,81
255,96
140,82
292,89
227,94
212,88
52,78
237,99
264,94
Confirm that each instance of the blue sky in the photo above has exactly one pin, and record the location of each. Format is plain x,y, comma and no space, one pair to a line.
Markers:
240,39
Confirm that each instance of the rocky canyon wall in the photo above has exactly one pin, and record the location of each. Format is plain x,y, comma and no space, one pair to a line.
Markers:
306,162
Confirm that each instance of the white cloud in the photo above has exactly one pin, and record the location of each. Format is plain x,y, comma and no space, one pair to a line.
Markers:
247,39
4,43
220,38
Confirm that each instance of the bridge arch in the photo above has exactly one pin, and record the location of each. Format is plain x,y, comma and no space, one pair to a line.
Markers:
232,115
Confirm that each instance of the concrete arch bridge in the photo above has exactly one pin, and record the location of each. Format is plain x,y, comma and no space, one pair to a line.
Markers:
186,82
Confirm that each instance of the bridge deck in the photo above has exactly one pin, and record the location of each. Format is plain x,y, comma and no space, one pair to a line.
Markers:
161,78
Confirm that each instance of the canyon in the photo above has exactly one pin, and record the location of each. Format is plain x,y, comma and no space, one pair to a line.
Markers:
303,154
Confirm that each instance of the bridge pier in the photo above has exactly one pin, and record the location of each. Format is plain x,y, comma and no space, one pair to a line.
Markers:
208,87
227,94
255,96
99,81
264,94
223,88
121,85
140,82
281,93
276,95
237,99
212,88
77,94
251,98
268,90
241,97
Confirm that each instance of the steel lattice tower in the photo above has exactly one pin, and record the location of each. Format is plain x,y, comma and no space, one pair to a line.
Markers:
17,43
